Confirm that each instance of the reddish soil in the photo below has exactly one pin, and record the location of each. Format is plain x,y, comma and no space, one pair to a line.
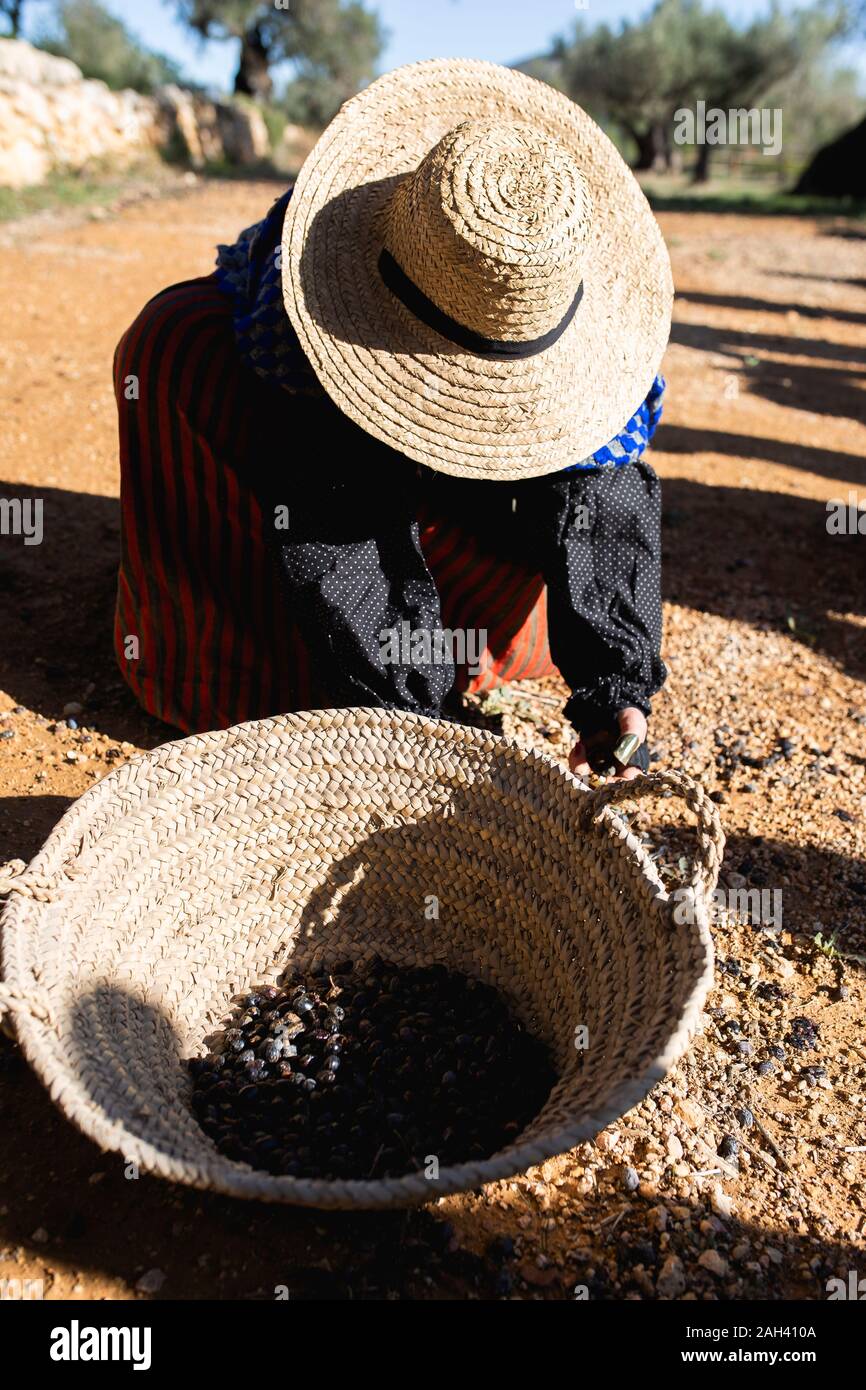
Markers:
765,639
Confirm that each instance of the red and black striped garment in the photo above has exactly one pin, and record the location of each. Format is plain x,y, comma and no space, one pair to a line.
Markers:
204,632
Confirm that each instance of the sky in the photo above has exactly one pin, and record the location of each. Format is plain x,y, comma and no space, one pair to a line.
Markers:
502,31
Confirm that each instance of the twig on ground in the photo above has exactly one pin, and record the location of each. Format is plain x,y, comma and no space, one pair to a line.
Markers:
761,1128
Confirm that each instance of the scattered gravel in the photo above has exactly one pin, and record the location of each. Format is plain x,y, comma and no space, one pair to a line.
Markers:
765,643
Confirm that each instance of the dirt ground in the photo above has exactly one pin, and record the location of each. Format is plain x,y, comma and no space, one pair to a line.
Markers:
766,645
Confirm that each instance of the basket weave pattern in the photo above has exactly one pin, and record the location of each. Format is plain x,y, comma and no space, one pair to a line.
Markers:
214,863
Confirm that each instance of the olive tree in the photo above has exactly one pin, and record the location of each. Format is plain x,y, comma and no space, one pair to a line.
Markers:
331,45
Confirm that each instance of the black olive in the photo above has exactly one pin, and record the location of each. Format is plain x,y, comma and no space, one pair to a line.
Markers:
438,1066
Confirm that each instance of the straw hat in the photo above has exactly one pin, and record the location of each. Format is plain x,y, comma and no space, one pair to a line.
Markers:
474,272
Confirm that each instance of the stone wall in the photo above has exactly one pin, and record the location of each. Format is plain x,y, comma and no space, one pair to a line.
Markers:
52,118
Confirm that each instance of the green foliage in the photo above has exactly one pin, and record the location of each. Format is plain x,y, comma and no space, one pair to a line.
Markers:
104,48
760,200
12,11
221,19
275,120
856,16
99,187
827,945
819,104
334,53
332,46
639,75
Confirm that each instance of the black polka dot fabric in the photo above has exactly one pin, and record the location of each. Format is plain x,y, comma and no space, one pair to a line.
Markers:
599,548
352,563
595,536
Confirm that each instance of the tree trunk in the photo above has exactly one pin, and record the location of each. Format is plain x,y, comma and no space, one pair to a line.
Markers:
14,13
839,169
253,78
701,171
652,148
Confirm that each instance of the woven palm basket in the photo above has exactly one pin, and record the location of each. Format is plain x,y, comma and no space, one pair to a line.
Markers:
214,863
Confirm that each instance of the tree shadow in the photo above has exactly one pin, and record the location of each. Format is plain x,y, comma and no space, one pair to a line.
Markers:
804,275
760,205
27,821
820,390
59,614
808,875
262,171
765,558
826,390
761,306
732,342
841,467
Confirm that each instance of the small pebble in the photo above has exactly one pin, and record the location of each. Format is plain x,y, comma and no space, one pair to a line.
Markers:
672,1278
713,1261
151,1282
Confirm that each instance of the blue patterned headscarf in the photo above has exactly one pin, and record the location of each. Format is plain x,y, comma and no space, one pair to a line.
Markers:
249,272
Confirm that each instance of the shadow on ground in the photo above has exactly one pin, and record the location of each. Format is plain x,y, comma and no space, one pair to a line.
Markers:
26,822
736,342
762,205
730,550
772,306
58,601
71,1208
841,467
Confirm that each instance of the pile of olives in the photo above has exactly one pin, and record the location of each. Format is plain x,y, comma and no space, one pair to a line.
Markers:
368,1070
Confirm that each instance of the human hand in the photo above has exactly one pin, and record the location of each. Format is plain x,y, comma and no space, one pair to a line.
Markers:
600,746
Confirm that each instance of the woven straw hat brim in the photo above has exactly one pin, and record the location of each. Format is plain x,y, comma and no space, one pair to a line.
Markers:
214,863
403,382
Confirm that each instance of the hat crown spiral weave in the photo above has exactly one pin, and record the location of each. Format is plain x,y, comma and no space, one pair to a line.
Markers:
492,227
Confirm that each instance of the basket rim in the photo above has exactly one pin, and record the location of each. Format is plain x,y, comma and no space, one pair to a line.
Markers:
39,1036
38,868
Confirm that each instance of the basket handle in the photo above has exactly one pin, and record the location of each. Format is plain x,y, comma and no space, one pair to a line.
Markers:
711,837
12,1002
14,878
